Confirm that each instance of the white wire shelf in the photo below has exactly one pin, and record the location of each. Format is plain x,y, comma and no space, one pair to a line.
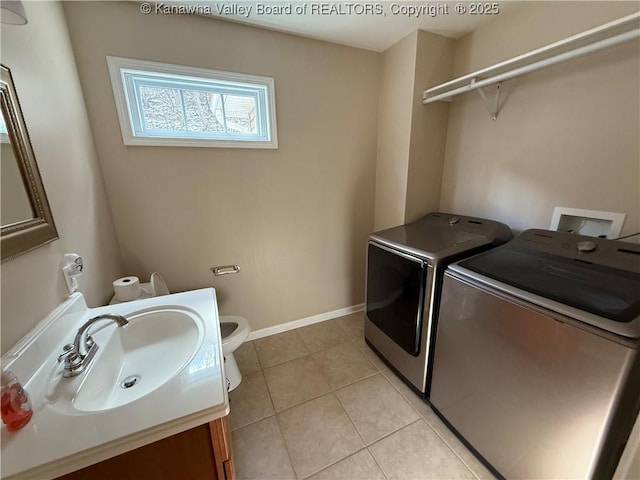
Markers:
621,30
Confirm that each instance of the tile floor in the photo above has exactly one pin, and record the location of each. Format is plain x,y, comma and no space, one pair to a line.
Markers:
317,403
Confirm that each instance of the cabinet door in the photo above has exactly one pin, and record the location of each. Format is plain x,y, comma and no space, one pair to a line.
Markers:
222,448
203,453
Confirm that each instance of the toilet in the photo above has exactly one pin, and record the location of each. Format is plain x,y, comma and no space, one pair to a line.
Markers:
234,330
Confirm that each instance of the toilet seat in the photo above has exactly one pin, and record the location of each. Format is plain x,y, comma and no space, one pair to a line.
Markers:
235,338
232,338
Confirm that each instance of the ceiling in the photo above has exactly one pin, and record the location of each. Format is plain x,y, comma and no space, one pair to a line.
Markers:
346,22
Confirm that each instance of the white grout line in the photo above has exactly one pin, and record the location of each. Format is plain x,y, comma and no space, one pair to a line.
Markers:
303,322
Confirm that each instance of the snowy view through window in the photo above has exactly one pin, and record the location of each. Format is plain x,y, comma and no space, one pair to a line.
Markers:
180,106
173,109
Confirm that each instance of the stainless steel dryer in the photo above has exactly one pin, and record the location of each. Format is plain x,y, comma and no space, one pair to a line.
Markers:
536,360
405,265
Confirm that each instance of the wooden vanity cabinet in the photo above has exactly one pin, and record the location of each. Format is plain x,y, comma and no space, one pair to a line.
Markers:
202,453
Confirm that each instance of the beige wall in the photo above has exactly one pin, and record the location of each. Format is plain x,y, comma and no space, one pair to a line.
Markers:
433,65
411,138
295,219
394,132
565,136
41,60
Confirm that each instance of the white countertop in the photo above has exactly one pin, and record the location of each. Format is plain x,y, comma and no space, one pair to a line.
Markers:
60,439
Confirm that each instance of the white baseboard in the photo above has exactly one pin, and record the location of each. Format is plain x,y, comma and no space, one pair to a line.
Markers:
303,322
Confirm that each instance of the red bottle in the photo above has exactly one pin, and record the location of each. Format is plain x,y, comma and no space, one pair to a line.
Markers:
16,407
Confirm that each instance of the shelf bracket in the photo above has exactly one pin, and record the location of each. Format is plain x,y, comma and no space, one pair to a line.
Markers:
494,106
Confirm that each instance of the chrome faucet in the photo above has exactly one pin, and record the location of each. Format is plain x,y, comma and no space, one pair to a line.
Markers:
78,356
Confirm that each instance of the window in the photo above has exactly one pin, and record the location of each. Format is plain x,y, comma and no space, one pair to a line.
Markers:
162,104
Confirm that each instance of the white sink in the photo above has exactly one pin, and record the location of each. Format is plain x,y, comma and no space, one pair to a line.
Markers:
154,347
171,346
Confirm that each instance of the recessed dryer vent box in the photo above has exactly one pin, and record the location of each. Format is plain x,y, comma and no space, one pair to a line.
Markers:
587,222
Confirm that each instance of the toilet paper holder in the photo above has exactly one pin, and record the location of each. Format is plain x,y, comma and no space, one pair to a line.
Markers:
225,270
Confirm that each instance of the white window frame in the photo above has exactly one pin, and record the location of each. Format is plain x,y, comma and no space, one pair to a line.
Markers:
118,66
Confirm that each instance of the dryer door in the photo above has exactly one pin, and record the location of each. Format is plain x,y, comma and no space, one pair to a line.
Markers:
395,294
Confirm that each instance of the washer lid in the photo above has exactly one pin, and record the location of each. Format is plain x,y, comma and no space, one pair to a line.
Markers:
603,291
593,284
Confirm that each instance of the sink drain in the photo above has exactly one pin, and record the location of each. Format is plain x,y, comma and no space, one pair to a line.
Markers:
130,381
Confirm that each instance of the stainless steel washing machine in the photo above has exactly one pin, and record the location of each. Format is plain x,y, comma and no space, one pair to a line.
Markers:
405,265
536,361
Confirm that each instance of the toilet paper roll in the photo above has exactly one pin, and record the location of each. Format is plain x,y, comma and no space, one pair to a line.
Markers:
126,288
